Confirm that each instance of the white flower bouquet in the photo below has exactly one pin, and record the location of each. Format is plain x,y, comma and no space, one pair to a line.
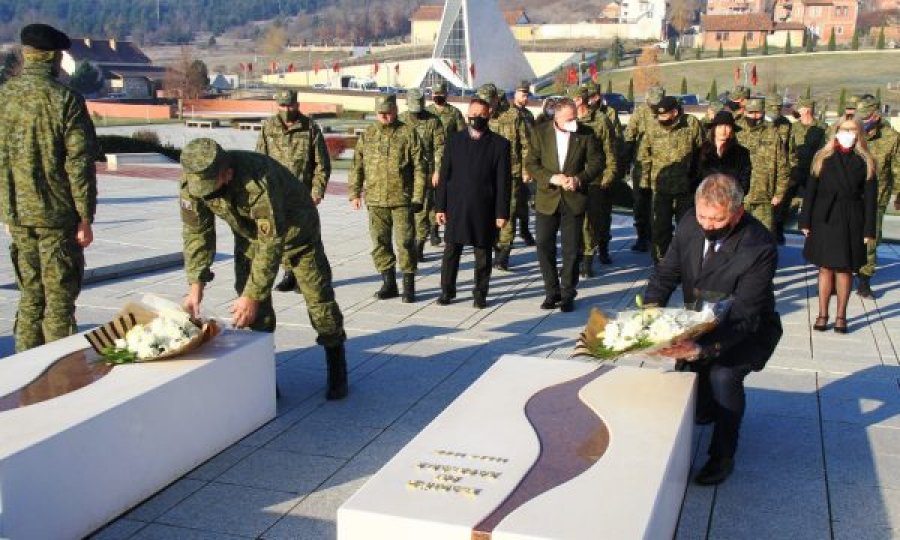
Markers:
152,329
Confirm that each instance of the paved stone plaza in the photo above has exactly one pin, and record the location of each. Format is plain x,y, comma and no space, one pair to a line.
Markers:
820,449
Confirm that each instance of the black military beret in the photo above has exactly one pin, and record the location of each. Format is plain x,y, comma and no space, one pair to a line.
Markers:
45,38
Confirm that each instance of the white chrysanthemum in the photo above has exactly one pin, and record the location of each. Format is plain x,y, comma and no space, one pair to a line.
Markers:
166,333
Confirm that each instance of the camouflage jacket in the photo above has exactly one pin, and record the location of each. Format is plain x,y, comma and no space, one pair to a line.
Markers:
527,116
606,138
884,144
669,156
450,116
510,125
613,116
432,136
389,165
784,128
47,152
771,169
806,140
268,211
301,148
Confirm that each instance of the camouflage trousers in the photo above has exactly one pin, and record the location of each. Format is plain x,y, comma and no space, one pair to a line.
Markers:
868,269
49,267
764,212
399,221
310,266
598,220
518,205
425,217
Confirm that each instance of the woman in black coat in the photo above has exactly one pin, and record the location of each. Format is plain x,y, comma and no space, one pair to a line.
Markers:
722,154
838,217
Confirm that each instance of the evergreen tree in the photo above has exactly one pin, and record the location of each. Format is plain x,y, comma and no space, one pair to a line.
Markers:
854,44
630,95
810,45
615,52
721,53
698,53
744,46
880,43
684,85
842,101
609,86
765,47
808,93
878,95
678,54
713,92
672,47
832,41
86,79
788,49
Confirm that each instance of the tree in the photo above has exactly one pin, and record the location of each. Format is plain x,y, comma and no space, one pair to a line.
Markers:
678,54
188,78
713,91
672,47
765,47
808,93
681,14
684,85
878,94
197,78
12,65
274,40
788,49
630,94
832,41
86,79
721,53
842,100
880,43
810,45
744,46
615,52
647,72
698,53
854,43
211,42
609,86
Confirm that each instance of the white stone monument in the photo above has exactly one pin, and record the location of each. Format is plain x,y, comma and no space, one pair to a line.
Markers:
539,448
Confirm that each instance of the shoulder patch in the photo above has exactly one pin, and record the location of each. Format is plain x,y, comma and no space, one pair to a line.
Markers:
264,227
187,204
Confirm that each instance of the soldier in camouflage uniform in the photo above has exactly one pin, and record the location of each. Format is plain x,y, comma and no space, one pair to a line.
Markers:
771,168
596,228
273,219
432,136
48,188
295,141
508,124
884,144
453,121
520,101
807,135
640,120
390,167
737,102
783,126
669,156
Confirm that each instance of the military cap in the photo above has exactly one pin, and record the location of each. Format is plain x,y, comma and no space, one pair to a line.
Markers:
524,86
666,104
851,102
414,100
739,92
593,88
439,89
577,91
386,104
487,92
45,38
806,102
774,105
866,107
285,96
716,105
756,104
200,160
654,95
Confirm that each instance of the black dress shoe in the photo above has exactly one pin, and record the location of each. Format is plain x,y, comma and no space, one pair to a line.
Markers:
550,302
604,257
479,302
445,299
716,470
567,305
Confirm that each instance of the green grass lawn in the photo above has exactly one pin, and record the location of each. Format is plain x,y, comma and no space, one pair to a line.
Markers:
114,122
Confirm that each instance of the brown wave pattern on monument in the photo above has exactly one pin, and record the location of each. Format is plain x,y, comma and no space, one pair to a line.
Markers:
572,439
69,373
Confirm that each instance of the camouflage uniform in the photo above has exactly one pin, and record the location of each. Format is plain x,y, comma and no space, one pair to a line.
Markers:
632,136
805,141
771,168
669,160
432,137
48,185
390,167
884,144
526,190
451,118
273,218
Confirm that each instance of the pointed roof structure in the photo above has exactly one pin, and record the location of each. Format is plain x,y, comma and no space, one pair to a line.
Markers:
475,46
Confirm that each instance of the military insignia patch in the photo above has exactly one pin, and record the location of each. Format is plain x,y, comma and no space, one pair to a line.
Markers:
265,227
187,205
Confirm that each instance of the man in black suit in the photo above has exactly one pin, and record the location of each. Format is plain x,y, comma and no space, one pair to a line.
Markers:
720,252
563,158
472,199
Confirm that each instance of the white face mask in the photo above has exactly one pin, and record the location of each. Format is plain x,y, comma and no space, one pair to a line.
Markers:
846,138
571,126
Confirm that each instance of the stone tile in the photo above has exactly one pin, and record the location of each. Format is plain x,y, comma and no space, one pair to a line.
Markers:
156,531
120,529
790,446
282,471
315,516
213,468
862,456
881,511
230,509
795,523
695,513
160,503
282,422
324,439
772,492
865,531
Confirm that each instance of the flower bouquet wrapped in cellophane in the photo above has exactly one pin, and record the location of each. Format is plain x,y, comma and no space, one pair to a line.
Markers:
646,329
152,329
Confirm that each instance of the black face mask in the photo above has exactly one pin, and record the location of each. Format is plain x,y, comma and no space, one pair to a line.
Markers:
289,115
440,100
753,122
667,123
717,234
478,123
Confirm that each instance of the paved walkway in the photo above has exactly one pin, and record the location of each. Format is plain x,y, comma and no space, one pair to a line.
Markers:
820,449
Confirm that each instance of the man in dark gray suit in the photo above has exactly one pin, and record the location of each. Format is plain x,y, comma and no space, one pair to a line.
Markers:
563,158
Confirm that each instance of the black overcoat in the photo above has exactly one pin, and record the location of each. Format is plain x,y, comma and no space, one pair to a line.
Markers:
839,210
743,269
735,162
474,188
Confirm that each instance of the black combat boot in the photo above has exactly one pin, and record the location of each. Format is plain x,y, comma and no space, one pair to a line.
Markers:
863,288
288,283
389,286
779,234
501,260
526,234
641,245
587,265
420,250
337,372
603,255
435,237
409,288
